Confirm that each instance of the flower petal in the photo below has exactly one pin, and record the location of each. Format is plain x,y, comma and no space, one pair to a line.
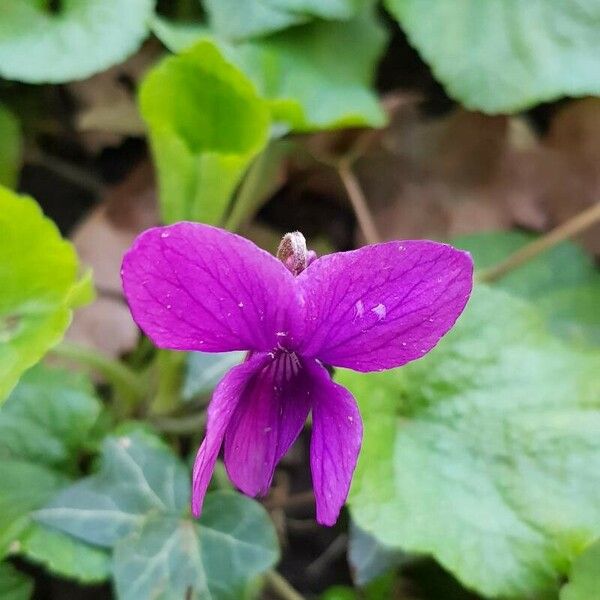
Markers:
335,444
266,422
225,399
196,287
383,305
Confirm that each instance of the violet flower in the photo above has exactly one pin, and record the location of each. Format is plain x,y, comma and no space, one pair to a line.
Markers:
196,287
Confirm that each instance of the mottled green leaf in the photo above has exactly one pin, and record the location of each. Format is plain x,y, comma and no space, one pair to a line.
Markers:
135,478
563,282
44,425
485,453
584,579
14,585
38,270
48,418
10,148
82,37
137,504
506,55
204,370
299,70
215,558
206,124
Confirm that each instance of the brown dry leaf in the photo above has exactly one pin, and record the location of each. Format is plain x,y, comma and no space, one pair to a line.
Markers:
100,240
107,105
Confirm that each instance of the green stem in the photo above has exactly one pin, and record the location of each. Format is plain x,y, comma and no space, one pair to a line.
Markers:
169,367
568,229
281,586
130,386
187,424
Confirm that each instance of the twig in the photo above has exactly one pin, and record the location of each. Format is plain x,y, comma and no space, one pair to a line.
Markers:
572,227
281,586
332,552
358,201
187,424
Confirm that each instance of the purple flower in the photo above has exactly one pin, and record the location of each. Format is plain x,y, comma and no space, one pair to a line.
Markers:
196,287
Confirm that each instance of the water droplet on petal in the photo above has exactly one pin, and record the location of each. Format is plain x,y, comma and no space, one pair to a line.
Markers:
164,234
380,311
359,308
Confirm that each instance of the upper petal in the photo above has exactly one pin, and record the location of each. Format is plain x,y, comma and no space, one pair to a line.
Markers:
196,287
269,417
335,444
226,397
383,305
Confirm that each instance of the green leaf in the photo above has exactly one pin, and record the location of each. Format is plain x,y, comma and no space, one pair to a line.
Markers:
300,72
138,505
563,281
506,55
136,478
476,453
206,124
64,555
205,369
48,418
215,557
325,9
44,425
81,38
14,585
368,557
239,20
10,148
584,580
38,270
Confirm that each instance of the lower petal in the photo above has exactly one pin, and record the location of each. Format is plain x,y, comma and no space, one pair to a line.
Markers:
266,422
335,443
226,398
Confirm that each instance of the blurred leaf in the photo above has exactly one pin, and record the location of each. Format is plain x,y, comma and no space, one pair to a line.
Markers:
584,580
563,281
38,271
44,425
299,70
48,418
82,38
138,504
25,487
64,555
368,557
504,56
339,592
10,148
14,585
206,124
216,557
205,369
238,20
477,452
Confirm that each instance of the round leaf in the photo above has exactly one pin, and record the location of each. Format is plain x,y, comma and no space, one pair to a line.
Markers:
82,37
584,581
14,585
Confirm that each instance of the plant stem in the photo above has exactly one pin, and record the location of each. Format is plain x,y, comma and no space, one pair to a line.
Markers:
568,229
358,201
127,382
281,586
187,424
169,370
